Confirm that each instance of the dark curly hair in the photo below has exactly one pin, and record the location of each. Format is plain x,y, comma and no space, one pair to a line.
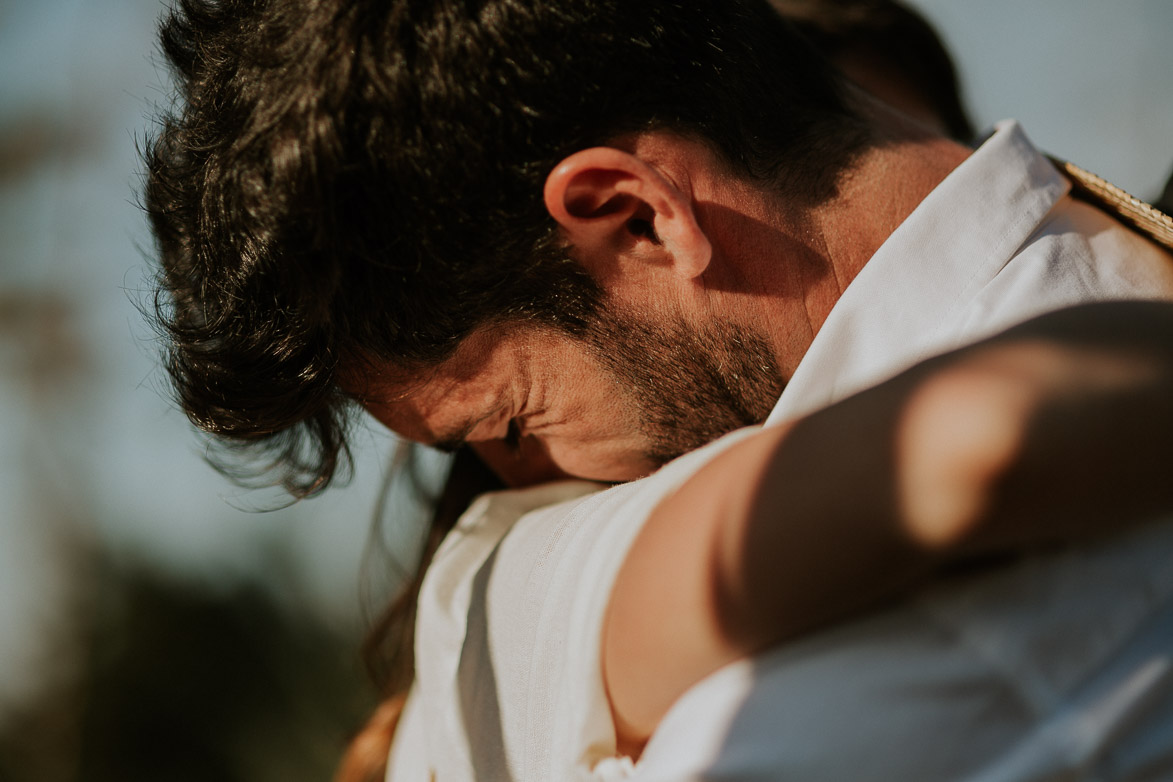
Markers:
344,184
893,34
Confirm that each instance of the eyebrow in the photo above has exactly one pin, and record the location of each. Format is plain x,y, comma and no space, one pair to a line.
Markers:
457,437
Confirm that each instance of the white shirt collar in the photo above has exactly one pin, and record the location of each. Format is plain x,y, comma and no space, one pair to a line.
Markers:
896,311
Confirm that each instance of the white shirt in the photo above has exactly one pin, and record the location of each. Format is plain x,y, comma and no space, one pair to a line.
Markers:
1006,676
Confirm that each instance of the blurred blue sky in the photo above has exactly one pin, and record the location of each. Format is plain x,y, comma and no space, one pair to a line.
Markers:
90,446
1089,79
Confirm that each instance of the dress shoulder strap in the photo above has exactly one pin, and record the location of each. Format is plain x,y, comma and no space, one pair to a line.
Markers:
1143,218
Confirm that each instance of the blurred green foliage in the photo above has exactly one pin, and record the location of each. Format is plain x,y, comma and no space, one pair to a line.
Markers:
170,681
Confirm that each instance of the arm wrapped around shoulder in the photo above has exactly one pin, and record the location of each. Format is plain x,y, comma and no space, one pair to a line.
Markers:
1058,429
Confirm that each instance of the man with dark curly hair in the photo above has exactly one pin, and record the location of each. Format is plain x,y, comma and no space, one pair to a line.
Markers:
587,237
356,189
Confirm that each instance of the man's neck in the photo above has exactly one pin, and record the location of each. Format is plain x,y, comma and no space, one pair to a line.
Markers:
796,266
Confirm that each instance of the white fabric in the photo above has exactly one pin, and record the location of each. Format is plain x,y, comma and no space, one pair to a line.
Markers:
508,680
994,244
1047,665
1056,668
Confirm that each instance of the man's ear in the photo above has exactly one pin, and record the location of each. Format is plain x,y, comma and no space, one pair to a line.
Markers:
608,198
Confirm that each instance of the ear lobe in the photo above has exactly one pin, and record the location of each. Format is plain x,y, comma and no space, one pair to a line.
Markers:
603,196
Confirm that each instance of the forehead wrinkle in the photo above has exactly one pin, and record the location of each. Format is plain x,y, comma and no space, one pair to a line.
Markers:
443,404
445,407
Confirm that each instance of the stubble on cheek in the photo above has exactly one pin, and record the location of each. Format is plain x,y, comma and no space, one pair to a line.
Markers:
687,387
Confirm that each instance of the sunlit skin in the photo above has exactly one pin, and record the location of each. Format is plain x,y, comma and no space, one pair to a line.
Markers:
1052,432
670,235
533,403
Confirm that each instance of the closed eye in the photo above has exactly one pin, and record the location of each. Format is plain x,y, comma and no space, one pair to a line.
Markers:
512,437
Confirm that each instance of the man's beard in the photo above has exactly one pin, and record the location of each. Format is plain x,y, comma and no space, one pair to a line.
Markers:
689,386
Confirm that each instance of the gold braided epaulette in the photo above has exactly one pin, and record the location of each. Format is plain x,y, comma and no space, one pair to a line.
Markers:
1133,212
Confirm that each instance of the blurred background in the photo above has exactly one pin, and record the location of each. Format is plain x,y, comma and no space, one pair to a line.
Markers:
155,624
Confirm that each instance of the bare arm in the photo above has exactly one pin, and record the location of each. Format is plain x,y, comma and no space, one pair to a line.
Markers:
1059,429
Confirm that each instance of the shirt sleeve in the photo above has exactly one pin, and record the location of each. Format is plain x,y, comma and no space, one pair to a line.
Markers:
533,701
